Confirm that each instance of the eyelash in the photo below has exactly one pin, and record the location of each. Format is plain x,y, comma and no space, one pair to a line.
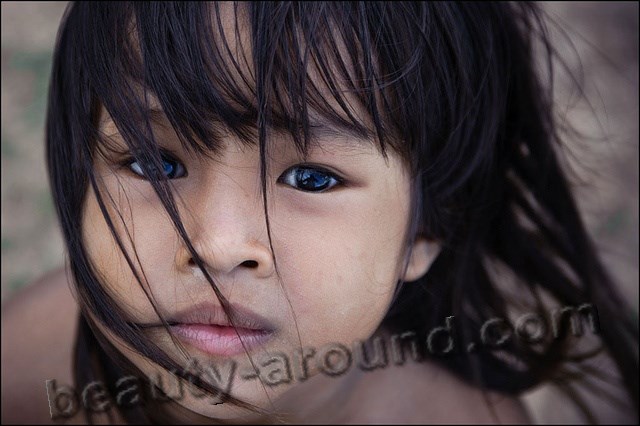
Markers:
289,177
179,171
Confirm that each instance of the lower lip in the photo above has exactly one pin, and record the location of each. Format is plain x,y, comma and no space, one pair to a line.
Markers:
220,340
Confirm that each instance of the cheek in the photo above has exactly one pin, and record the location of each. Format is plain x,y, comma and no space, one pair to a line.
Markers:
340,264
152,236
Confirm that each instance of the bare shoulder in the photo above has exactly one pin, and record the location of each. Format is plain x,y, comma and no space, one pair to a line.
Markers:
453,400
38,331
422,392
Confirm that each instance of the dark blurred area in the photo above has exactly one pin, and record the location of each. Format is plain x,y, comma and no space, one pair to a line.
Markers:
598,40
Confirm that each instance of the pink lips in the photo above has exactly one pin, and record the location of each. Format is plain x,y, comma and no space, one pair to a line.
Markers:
206,327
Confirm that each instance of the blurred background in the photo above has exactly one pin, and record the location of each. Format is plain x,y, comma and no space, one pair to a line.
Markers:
602,49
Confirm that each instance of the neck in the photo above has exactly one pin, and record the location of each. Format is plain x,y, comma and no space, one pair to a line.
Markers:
320,399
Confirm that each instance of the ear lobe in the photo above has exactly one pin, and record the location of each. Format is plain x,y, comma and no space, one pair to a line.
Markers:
423,253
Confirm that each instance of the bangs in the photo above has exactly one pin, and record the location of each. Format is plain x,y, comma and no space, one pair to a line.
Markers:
246,69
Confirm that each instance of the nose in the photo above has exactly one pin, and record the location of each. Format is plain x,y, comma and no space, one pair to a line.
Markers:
226,255
227,229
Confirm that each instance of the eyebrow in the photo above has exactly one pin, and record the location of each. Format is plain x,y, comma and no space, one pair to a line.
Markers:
322,130
335,133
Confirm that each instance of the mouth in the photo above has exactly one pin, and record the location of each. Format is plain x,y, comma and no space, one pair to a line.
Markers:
208,328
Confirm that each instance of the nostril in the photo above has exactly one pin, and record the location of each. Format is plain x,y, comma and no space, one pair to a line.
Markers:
247,263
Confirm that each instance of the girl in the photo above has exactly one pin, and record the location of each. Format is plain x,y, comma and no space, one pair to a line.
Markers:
315,212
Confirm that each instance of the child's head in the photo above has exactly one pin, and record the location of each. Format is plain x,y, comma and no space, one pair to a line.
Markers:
319,170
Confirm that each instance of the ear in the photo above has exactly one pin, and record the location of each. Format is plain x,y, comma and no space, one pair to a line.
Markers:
423,253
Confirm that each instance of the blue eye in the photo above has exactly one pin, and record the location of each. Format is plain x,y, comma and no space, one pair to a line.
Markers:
171,169
309,179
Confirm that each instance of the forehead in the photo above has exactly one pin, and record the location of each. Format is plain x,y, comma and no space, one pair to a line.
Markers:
234,68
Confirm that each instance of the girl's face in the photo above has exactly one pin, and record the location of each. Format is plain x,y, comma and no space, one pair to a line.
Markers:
339,250
338,220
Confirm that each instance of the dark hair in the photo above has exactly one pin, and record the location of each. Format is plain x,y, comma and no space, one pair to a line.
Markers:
452,87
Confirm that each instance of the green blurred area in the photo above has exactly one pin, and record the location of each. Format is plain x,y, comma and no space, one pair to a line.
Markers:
31,240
